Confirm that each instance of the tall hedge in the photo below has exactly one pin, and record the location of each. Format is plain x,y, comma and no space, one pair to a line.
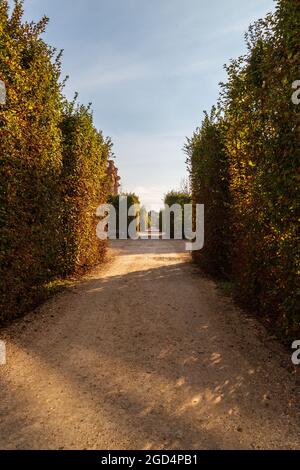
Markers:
52,170
260,141
132,200
30,160
208,165
83,188
175,197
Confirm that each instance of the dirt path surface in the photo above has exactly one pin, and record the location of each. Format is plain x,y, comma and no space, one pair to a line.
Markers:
145,353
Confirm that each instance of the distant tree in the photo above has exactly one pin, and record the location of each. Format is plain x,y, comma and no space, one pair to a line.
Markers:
132,199
172,198
185,187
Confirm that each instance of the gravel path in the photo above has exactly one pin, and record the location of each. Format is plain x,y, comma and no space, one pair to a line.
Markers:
145,353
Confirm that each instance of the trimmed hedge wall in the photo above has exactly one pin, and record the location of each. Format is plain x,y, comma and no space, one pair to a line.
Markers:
83,187
52,170
244,165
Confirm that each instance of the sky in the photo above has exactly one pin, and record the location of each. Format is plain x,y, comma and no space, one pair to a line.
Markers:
150,69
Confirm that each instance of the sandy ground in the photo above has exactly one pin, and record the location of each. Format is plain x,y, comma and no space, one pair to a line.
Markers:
145,353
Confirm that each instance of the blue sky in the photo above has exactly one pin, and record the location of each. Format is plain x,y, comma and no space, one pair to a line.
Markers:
150,68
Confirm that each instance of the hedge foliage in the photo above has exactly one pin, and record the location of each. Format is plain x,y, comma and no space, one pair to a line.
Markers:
53,169
132,200
83,187
208,163
244,166
172,198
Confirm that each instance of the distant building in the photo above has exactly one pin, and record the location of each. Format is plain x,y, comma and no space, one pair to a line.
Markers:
114,183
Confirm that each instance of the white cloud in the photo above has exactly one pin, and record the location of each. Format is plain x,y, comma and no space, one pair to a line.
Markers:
151,197
110,71
100,76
